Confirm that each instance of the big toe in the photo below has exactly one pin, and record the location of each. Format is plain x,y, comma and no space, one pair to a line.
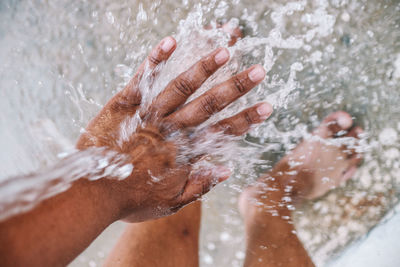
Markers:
334,124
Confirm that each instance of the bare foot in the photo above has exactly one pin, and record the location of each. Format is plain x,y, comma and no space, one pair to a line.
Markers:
323,162
314,167
320,163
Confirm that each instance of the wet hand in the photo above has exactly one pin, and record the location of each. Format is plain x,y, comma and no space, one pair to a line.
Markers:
160,183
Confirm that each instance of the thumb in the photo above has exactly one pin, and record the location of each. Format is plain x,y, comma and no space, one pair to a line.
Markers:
202,180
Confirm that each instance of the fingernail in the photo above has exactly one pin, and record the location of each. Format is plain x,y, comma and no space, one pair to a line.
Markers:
221,57
344,122
257,74
222,173
167,44
264,110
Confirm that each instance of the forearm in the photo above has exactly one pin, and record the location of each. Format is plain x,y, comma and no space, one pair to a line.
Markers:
58,229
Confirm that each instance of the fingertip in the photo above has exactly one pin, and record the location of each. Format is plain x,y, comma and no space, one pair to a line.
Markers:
167,44
234,31
264,110
222,56
257,73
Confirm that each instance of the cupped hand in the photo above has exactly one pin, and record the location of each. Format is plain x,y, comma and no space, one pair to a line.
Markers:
160,183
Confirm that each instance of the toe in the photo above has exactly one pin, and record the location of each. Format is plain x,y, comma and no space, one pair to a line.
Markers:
355,160
348,174
355,132
334,124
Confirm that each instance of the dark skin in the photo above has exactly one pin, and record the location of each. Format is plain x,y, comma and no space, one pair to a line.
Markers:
271,240
61,227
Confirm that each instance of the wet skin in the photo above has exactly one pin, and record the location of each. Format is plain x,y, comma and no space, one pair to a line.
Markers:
61,227
174,240
150,151
271,238
270,234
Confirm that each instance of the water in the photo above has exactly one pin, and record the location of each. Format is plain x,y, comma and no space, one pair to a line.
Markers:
62,60
22,193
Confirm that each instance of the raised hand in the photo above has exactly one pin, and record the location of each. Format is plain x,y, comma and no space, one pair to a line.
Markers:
161,182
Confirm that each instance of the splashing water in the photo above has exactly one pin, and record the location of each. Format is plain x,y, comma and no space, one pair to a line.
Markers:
61,61
20,194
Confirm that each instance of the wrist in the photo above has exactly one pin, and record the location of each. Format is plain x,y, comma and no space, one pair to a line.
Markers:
102,198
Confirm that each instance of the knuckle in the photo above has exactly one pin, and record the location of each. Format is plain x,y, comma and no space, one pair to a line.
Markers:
206,67
239,85
209,104
154,59
184,87
226,127
248,118
123,104
169,126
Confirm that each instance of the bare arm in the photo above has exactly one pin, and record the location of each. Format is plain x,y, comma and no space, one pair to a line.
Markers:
58,229
61,227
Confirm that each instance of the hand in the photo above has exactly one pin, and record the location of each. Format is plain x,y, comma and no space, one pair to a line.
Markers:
160,184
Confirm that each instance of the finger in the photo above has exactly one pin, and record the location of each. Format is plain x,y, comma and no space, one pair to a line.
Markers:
160,53
178,90
202,180
233,31
216,99
333,124
241,122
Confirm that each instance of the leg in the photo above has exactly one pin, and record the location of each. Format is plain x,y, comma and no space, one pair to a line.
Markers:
270,234
170,241
308,172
